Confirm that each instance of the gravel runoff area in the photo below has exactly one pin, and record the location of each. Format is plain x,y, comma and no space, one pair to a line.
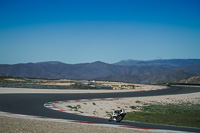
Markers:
14,123
17,124
104,108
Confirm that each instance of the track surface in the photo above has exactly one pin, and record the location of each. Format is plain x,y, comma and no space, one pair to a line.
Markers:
33,104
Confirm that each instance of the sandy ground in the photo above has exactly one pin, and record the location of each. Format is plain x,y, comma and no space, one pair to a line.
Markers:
105,108
4,90
12,123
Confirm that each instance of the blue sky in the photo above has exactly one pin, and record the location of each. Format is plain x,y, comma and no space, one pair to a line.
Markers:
79,31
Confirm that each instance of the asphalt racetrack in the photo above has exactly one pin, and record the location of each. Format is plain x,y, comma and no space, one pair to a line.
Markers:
33,104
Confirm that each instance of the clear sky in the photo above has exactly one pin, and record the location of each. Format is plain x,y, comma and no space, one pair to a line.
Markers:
80,31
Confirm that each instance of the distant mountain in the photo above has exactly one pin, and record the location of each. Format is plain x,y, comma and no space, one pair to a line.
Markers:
142,72
160,62
62,70
51,62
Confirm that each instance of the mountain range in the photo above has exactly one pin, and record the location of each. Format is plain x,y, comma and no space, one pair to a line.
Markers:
153,71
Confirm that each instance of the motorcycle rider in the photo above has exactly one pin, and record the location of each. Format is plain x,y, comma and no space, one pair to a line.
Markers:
116,113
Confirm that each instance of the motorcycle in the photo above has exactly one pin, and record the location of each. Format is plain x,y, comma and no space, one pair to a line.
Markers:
118,115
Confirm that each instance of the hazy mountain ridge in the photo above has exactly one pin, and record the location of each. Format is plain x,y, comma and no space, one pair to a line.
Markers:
160,62
145,72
